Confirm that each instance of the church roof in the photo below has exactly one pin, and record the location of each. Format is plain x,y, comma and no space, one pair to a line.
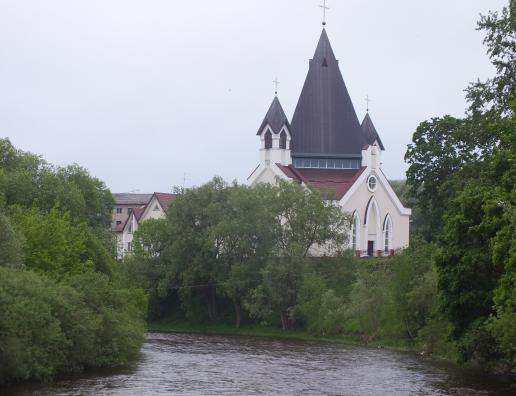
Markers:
275,117
325,121
370,131
332,183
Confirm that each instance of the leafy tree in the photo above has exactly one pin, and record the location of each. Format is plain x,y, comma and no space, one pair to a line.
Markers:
10,244
304,223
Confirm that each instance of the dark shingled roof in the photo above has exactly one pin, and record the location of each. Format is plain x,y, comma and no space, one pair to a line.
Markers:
275,117
131,199
325,121
370,131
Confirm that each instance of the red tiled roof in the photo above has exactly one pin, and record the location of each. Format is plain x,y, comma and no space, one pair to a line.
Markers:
138,212
165,199
333,182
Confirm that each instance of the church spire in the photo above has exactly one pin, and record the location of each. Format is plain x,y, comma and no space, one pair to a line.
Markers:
325,121
275,118
369,131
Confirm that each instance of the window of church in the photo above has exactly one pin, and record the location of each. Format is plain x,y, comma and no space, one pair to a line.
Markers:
355,227
283,140
268,139
387,235
371,183
323,163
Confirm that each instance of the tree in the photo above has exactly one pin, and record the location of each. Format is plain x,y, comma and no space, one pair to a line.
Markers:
304,224
10,245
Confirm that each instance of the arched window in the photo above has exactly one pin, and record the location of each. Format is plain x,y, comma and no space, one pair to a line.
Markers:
283,140
355,232
268,139
387,234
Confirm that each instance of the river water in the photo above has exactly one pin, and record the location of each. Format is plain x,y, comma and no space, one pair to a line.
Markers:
187,364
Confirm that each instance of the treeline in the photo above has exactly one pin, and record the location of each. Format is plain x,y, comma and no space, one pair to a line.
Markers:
277,256
64,303
239,246
462,174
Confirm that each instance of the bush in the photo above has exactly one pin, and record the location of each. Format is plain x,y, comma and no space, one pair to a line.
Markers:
48,328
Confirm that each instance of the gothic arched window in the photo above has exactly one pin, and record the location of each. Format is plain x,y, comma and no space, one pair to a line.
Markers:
387,234
283,140
268,139
355,232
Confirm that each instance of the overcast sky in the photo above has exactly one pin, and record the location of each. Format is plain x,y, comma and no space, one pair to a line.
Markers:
142,92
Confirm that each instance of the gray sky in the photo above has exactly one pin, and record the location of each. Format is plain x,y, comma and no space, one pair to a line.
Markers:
140,92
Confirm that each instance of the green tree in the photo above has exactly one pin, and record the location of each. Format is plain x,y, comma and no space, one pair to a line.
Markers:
10,244
304,223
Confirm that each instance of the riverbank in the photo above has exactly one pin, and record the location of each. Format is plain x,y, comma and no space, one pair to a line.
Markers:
253,330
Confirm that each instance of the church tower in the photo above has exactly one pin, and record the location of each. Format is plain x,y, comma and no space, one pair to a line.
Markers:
326,148
275,136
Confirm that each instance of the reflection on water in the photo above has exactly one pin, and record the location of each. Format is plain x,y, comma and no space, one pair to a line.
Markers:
186,364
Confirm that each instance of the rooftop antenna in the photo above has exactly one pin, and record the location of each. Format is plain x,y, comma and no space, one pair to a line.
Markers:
276,83
324,7
367,103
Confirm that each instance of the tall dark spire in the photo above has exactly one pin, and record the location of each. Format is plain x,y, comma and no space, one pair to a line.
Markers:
325,121
275,117
369,131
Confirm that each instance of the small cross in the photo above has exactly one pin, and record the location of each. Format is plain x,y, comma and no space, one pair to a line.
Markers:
367,103
324,7
276,83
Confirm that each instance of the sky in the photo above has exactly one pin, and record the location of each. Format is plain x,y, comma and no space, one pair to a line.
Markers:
152,94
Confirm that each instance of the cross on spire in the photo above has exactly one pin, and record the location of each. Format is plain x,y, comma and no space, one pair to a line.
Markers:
276,83
324,7
367,103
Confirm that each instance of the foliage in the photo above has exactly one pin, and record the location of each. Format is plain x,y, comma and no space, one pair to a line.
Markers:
10,244
65,306
464,174
48,328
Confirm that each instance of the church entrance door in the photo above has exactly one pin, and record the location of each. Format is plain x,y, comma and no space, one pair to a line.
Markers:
370,248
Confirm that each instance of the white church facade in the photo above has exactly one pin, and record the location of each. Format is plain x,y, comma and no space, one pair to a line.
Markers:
326,147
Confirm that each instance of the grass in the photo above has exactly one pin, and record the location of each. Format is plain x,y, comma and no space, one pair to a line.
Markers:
247,330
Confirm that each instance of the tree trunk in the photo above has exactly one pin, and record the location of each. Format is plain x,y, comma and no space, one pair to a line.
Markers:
210,295
237,313
284,320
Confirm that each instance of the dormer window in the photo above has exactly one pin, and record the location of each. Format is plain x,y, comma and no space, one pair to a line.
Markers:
268,139
283,140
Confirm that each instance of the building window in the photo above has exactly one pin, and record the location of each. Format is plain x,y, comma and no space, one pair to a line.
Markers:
326,163
118,222
283,140
129,246
156,208
118,210
371,183
268,139
387,234
129,211
130,227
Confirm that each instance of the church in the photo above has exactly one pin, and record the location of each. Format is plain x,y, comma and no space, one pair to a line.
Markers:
325,147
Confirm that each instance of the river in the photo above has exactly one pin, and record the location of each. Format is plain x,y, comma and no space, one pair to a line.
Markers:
187,364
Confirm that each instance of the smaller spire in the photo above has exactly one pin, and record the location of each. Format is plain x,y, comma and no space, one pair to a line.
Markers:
369,131
275,118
